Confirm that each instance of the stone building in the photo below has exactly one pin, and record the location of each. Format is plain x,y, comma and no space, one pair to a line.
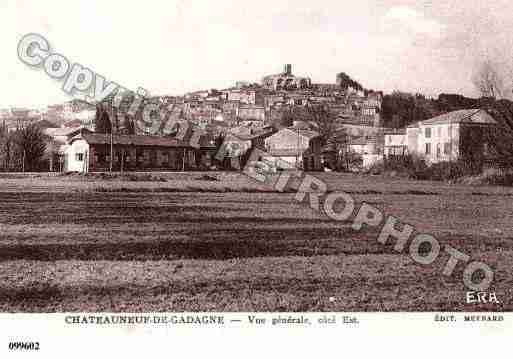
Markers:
244,96
286,81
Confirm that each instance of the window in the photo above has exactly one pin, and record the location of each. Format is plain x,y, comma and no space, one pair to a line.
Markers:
438,149
439,131
428,148
447,148
427,132
79,157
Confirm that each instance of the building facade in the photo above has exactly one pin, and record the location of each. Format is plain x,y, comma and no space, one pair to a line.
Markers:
452,136
396,143
292,148
91,152
286,81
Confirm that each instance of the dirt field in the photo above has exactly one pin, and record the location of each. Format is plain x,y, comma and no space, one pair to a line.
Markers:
186,242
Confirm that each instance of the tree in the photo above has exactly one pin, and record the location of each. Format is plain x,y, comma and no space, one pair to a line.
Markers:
501,137
401,109
219,143
129,125
344,81
115,125
333,137
30,144
98,117
335,150
488,81
322,118
6,148
102,122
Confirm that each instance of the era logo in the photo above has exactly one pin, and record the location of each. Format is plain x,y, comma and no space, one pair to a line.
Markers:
481,297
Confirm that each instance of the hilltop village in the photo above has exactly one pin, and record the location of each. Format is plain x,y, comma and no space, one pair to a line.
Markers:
297,123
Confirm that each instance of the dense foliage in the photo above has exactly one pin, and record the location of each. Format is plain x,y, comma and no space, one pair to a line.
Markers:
23,149
345,81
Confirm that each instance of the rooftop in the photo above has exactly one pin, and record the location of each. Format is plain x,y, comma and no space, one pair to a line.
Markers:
476,116
63,131
305,133
135,140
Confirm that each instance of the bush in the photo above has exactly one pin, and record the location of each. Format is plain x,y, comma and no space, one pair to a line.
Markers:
409,166
129,177
415,167
354,161
492,177
446,171
376,168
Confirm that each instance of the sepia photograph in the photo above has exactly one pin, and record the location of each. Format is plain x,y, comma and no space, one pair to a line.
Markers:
267,156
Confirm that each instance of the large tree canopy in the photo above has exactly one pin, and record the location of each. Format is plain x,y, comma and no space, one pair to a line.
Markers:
30,146
345,81
102,123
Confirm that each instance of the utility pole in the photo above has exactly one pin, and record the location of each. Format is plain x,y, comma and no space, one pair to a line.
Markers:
111,148
183,160
297,154
122,159
85,166
23,163
111,115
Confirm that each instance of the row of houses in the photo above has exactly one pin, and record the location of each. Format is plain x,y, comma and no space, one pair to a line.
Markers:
449,137
463,134
80,150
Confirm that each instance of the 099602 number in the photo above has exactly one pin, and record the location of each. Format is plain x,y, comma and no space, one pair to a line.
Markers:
24,346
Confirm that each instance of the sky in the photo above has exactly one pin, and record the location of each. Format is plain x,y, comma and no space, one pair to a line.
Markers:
174,46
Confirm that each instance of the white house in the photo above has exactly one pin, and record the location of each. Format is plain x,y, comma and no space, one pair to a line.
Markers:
396,142
447,137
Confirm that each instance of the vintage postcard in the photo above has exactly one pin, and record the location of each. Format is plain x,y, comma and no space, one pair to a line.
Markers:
174,167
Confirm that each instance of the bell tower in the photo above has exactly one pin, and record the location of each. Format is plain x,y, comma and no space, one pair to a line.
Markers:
287,69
